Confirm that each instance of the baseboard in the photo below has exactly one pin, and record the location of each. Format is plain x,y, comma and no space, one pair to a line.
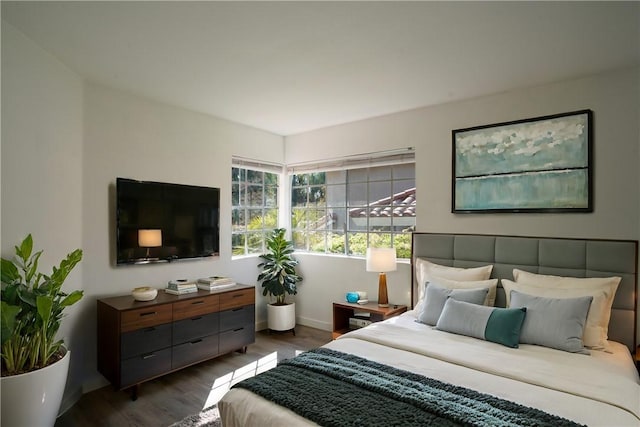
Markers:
94,383
304,321
69,399
262,325
312,323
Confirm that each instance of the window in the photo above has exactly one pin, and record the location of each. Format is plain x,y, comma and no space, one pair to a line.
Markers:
254,205
345,206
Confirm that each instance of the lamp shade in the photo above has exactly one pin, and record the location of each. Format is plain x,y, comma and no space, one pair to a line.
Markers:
149,238
381,259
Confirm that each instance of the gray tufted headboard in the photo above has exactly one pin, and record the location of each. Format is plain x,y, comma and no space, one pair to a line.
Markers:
543,255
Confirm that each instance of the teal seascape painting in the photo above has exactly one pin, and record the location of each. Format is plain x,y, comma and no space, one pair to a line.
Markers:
534,165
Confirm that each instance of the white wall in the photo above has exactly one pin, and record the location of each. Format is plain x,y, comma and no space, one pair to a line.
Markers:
614,99
127,136
42,165
65,141
329,278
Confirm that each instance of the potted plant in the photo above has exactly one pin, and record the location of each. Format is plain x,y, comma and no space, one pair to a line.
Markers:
279,279
34,362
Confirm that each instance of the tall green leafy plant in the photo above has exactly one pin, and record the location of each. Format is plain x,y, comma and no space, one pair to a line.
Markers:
32,309
278,275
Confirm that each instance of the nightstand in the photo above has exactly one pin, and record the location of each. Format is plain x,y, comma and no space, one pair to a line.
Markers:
343,311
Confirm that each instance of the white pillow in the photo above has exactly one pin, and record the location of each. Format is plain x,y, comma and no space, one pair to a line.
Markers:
563,282
491,285
426,269
597,325
609,285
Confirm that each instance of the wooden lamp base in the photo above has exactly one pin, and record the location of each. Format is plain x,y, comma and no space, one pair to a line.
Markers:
383,299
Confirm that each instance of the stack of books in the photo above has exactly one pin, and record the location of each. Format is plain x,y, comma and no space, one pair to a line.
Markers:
181,286
215,282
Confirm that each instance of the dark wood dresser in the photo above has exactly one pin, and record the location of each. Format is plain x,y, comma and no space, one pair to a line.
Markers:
139,341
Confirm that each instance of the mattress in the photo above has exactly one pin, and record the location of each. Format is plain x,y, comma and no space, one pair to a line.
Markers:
600,389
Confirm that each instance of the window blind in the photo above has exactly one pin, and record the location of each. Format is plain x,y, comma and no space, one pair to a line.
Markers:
257,165
384,158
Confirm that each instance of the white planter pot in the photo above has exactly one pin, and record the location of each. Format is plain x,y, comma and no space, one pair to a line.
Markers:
33,399
281,317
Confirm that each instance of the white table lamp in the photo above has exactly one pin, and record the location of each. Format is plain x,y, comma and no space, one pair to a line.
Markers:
381,260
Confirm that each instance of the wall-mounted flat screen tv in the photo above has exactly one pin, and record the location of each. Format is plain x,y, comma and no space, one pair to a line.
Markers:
161,222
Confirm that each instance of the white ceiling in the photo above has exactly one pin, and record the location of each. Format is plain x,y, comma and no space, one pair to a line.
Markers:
290,67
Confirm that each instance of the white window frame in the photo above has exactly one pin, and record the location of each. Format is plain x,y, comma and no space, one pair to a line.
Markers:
369,160
257,166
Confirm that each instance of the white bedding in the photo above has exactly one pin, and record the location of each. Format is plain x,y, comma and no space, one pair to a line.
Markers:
601,389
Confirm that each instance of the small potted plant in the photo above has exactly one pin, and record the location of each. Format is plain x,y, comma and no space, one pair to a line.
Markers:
34,362
279,279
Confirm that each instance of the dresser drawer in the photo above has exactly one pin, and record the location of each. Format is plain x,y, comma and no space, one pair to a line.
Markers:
145,340
237,298
196,307
194,351
142,367
195,327
146,317
140,341
237,338
237,317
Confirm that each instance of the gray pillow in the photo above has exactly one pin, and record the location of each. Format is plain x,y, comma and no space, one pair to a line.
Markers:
499,325
436,296
553,322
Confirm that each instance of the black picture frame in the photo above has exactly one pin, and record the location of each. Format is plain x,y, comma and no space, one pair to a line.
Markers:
542,164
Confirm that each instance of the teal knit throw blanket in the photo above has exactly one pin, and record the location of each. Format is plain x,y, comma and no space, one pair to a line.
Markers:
332,388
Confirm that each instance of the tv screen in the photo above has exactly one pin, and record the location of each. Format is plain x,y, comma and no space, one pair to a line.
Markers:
160,222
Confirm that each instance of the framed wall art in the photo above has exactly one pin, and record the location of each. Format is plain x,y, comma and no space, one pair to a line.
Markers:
542,164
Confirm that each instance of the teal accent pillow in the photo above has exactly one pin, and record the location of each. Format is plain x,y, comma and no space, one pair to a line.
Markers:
499,325
436,297
504,326
553,322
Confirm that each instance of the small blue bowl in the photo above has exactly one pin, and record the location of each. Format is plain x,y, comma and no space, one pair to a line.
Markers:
352,297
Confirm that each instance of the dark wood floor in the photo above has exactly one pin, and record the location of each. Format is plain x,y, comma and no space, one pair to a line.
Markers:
168,399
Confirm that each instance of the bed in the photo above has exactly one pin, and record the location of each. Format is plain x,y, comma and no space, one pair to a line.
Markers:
404,357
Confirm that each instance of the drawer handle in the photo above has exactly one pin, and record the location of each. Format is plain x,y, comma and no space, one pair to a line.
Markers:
148,313
197,318
238,309
148,356
151,329
239,329
196,341
197,302
237,295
